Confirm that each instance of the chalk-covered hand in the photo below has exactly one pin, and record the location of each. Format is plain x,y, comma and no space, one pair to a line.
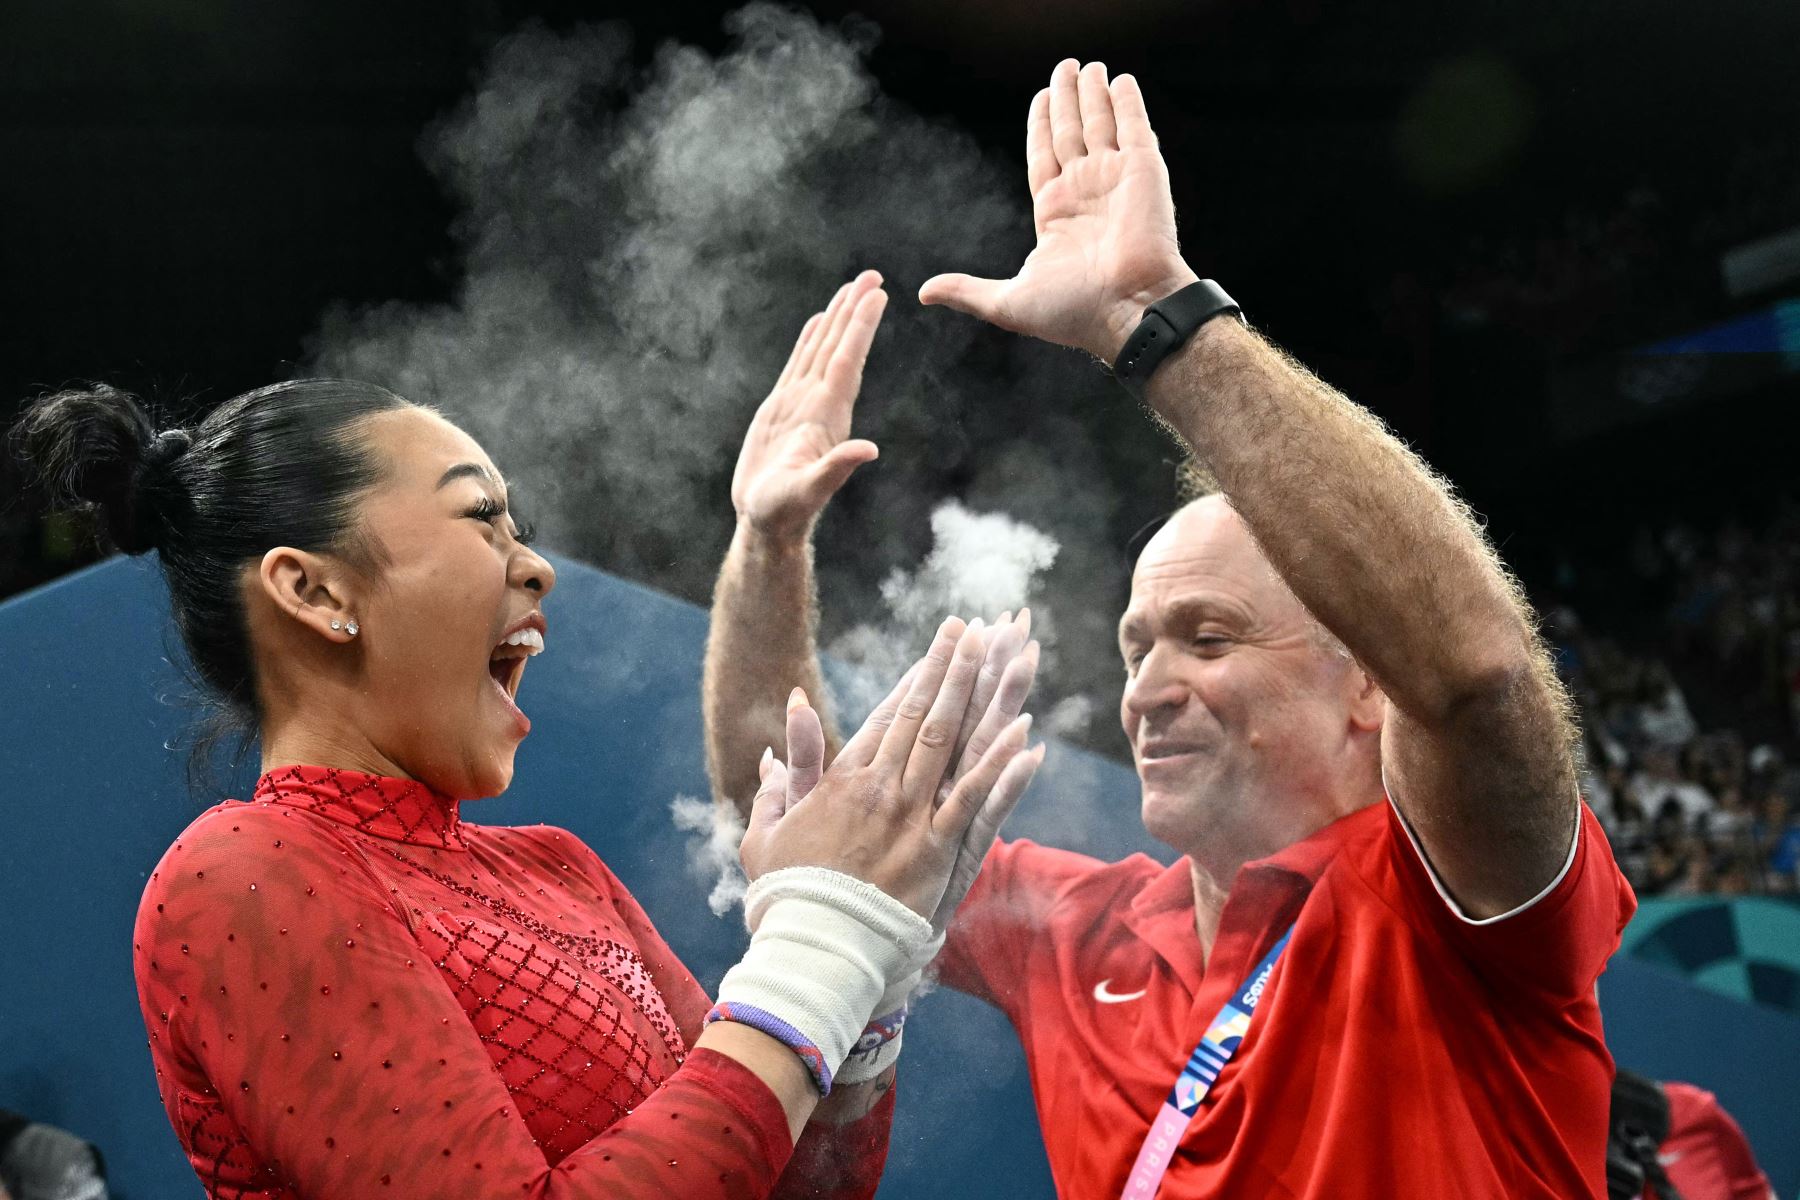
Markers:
1001,690
795,455
874,814
1106,247
1002,685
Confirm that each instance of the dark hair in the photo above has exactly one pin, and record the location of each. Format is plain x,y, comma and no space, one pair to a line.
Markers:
280,466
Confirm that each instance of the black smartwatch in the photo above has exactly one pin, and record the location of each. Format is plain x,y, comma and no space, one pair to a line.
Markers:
1166,325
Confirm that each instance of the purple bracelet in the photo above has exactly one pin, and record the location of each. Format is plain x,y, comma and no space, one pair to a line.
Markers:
781,1031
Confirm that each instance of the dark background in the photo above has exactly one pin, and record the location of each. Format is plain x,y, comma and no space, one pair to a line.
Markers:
1461,214
1467,215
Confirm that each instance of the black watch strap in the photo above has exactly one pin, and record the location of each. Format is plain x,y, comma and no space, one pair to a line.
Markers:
1166,325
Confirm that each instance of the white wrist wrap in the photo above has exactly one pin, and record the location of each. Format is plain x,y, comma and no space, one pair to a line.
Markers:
879,1046
824,947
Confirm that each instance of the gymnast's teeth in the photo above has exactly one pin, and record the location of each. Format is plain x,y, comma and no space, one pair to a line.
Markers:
531,639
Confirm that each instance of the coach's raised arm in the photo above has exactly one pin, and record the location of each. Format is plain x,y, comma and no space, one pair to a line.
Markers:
1477,747
1327,994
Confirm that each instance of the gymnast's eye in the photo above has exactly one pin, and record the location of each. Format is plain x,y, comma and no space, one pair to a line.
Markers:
486,509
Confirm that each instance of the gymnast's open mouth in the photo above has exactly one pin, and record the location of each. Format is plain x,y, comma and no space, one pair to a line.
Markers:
507,663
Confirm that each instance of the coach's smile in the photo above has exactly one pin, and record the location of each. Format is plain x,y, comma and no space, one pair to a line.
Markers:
1159,752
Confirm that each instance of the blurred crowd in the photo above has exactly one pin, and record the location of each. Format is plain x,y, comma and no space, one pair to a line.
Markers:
1641,264
1691,720
1577,284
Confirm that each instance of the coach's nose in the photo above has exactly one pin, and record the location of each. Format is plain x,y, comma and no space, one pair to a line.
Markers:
1152,689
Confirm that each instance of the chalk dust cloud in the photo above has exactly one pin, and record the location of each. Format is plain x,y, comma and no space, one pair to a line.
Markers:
642,232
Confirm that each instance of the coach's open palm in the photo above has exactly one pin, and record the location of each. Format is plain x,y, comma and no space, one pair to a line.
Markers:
990,768
1105,220
885,810
795,456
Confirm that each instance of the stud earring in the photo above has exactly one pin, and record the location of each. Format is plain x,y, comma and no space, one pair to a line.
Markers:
336,625
353,630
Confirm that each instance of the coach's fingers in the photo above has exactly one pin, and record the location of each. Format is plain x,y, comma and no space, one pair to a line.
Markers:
1004,645
897,740
1007,702
844,369
860,750
1014,779
1130,117
1040,157
1065,113
1097,127
1002,799
822,479
802,345
825,318
929,759
954,818
805,747
839,321
971,294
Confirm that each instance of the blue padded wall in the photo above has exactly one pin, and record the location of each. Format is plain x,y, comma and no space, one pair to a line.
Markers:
93,795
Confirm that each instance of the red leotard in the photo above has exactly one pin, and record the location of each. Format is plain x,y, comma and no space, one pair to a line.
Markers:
350,992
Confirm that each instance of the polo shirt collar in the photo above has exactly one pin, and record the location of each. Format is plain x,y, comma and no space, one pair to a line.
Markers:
1265,890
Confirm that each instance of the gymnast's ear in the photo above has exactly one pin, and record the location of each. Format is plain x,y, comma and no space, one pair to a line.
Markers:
310,588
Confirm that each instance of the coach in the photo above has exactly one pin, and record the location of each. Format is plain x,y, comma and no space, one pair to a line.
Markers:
1372,971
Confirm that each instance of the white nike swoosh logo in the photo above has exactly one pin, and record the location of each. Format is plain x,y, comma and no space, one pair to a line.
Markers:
1106,997
1669,1160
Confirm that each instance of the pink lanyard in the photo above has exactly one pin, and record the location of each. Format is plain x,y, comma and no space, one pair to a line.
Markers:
1223,1037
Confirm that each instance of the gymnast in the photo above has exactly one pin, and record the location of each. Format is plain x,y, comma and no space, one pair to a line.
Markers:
349,989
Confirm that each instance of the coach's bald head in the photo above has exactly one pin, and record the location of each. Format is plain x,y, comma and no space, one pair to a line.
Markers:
1250,725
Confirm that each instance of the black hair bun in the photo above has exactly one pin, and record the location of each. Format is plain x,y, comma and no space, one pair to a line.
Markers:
168,446
96,447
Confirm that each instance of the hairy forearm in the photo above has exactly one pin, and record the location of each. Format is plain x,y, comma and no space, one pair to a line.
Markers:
760,647
1478,741
1366,535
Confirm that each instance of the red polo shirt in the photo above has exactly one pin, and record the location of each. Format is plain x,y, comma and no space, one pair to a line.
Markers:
1400,1050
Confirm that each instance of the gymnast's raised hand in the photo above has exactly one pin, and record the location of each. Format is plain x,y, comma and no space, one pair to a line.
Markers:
1105,221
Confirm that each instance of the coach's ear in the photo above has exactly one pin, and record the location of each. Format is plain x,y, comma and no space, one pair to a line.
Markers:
1368,703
